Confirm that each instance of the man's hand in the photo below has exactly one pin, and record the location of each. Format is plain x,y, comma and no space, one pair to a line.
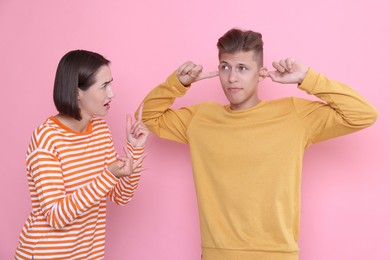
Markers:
288,71
189,73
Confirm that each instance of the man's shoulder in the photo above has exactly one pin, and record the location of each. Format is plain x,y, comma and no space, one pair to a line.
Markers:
210,104
288,101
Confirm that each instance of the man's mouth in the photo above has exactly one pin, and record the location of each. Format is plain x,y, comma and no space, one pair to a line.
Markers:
234,90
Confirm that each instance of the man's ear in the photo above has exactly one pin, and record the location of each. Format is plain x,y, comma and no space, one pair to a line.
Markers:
263,73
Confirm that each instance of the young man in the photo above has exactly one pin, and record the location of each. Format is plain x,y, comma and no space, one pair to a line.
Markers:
247,156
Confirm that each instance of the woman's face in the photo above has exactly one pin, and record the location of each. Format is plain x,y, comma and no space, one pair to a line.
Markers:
95,101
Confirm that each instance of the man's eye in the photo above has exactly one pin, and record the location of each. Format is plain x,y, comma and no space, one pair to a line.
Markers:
223,67
243,68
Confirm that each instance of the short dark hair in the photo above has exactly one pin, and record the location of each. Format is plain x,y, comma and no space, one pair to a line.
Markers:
236,40
76,70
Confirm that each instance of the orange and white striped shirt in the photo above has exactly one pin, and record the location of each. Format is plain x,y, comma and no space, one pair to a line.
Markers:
69,182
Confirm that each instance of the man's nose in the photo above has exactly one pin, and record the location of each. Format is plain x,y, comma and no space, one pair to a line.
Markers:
232,76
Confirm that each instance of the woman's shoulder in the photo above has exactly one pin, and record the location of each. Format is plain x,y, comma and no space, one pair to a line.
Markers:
49,126
98,123
44,135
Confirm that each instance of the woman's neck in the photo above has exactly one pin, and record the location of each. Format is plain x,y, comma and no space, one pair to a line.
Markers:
76,125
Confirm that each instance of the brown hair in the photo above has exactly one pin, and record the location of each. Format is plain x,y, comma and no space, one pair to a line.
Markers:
76,70
236,40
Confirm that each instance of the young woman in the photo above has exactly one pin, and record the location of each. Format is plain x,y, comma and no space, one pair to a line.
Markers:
72,166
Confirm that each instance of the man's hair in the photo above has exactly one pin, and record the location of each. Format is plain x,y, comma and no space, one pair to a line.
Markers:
236,40
76,70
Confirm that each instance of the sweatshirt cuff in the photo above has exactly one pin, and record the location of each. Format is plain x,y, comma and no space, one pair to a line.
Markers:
174,82
310,81
109,178
135,151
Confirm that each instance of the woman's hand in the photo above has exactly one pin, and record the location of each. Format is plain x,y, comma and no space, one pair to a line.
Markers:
125,166
137,133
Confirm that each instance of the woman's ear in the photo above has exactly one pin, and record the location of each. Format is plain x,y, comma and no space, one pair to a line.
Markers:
79,94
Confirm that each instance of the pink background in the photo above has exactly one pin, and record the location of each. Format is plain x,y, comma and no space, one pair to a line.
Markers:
345,185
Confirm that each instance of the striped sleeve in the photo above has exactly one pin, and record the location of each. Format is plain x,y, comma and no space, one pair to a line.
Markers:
58,207
124,190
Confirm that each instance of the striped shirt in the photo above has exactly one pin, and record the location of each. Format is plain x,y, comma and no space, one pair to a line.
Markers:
69,182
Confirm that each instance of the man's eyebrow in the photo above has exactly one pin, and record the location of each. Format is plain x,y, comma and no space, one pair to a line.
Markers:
239,64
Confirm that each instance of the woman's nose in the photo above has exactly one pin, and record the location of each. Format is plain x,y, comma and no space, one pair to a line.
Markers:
111,92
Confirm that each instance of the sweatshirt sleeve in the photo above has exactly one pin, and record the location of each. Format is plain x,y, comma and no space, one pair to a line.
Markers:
60,208
343,111
160,118
124,190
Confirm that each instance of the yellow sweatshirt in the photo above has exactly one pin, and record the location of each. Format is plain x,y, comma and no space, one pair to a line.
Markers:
247,164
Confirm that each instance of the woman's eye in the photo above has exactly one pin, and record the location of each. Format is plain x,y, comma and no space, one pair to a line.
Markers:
106,85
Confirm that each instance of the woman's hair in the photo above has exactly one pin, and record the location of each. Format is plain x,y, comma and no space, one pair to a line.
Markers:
76,70
236,40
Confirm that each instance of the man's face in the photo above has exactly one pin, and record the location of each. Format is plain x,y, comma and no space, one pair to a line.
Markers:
239,76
